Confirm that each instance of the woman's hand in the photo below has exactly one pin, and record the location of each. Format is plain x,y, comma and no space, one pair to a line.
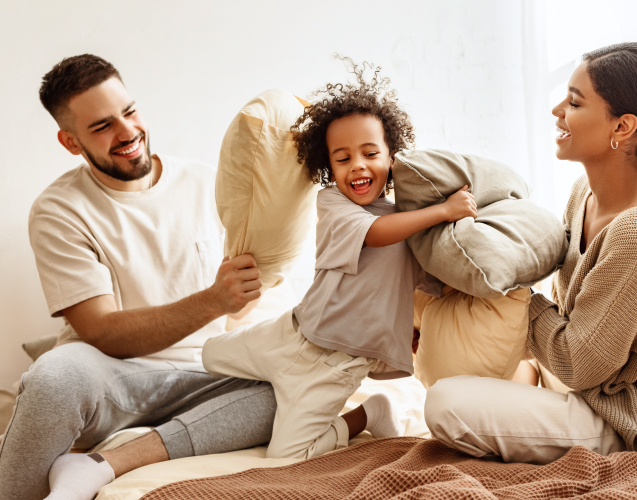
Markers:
460,205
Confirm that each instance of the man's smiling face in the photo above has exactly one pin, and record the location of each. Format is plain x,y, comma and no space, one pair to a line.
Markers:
109,131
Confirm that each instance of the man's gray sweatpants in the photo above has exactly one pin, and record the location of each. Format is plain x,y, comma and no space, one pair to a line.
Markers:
76,396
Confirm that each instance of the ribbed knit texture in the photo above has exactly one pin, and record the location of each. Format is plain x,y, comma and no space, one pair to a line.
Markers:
587,338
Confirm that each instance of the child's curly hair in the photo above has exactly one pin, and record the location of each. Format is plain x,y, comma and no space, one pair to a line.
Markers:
339,100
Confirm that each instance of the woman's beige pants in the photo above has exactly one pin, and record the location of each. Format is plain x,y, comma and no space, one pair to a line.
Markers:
487,417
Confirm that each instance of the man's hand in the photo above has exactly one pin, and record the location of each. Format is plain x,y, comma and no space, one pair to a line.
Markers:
237,283
144,331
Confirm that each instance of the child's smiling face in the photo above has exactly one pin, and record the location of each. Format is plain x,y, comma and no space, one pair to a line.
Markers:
359,157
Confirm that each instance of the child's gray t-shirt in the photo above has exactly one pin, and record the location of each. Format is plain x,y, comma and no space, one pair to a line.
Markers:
361,301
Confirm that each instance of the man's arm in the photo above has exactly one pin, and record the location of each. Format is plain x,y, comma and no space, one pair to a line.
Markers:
144,331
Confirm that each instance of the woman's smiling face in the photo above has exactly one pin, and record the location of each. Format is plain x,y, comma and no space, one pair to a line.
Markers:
584,124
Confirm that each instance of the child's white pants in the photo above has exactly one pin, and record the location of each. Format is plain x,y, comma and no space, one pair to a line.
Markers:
311,384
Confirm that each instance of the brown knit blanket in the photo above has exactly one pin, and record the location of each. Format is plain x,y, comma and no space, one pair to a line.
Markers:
412,468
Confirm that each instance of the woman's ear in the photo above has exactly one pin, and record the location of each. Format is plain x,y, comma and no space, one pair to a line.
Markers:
626,127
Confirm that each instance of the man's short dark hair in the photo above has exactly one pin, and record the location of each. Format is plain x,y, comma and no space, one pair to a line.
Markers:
71,77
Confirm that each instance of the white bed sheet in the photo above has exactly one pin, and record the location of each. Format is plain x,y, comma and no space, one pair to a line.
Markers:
408,401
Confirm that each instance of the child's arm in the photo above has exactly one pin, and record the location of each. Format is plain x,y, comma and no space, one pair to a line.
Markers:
392,228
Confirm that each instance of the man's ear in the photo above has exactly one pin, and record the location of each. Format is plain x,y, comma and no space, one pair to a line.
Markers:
69,142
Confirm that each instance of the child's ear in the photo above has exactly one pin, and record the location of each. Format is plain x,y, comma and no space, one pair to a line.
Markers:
392,157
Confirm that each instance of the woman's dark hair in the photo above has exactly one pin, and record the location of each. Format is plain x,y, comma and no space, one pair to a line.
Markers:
613,71
339,100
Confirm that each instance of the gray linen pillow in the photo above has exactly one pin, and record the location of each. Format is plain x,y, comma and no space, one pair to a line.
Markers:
512,244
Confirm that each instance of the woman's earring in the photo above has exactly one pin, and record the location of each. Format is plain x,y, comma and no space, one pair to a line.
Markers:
616,144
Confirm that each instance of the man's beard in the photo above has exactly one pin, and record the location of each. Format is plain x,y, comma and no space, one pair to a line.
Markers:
141,166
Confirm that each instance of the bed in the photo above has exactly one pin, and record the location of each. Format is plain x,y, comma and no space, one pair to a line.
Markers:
407,395
411,467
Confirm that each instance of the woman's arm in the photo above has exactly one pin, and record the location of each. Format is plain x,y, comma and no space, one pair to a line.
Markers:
393,228
586,348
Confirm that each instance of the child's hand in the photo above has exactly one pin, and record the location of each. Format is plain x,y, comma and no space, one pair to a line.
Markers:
460,205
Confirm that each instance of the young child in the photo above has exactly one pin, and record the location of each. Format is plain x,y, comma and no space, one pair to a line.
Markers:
356,318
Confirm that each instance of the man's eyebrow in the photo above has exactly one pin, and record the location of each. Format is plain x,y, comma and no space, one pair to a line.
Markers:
575,90
366,144
109,118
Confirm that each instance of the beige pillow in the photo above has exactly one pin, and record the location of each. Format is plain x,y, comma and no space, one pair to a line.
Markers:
465,335
265,198
512,244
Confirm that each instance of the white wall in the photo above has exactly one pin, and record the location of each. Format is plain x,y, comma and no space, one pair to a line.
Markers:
457,66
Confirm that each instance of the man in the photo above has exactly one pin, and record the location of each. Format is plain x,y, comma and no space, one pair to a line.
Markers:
128,248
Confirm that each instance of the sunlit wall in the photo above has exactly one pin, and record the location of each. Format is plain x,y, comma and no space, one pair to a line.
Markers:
476,76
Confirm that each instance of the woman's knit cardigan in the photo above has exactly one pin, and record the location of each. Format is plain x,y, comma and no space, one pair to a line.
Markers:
587,338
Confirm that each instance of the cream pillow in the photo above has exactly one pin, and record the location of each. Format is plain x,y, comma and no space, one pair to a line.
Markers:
465,335
512,244
265,198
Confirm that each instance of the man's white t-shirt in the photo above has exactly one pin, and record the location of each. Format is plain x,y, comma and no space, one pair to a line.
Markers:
146,248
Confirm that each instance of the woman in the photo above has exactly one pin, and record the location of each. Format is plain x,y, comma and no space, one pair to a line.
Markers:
587,338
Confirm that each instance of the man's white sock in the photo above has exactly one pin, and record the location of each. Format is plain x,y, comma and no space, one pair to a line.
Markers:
380,418
76,476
